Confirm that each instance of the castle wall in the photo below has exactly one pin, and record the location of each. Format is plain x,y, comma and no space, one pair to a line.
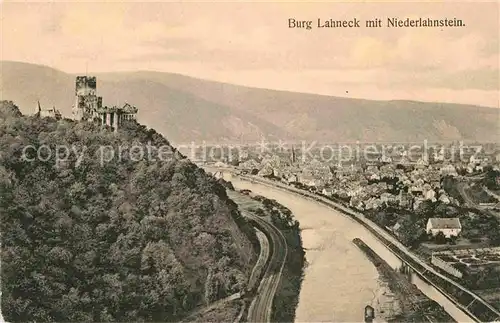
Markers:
47,113
89,106
116,121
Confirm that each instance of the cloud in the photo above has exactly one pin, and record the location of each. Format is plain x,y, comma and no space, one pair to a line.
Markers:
251,44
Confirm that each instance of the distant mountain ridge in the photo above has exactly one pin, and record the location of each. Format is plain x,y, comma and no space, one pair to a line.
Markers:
188,109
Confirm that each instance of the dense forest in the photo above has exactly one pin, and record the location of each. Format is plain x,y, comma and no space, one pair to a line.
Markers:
127,239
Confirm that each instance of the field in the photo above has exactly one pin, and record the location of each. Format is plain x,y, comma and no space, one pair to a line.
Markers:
471,258
484,254
480,268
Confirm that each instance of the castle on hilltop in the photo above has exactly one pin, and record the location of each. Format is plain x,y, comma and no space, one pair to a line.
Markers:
88,106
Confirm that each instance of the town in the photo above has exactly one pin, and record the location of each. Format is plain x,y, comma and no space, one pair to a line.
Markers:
233,162
445,207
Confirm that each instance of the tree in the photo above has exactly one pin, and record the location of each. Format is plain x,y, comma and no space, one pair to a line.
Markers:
381,218
425,209
440,238
260,212
235,162
453,240
409,232
84,243
491,179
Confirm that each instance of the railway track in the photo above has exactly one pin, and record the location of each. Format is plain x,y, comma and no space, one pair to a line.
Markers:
261,307
487,314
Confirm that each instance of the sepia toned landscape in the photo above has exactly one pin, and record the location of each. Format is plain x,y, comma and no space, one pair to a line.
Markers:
250,162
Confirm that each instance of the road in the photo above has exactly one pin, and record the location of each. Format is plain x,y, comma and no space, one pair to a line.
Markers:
265,251
461,189
214,305
383,233
273,249
473,177
261,307
492,194
471,203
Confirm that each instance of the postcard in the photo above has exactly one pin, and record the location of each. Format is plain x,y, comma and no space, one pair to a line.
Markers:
234,161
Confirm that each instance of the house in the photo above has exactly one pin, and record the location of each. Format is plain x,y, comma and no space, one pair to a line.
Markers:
429,194
395,229
444,198
435,184
373,203
388,198
220,164
448,170
243,155
52,113
385,159
405,200
439,156
327,192
474,160
448,226
422,163
309,179
249,164
291,178
416,190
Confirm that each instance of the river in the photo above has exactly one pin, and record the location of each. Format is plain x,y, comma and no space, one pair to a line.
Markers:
339,280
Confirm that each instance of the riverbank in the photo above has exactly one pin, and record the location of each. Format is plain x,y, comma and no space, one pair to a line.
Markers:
463,300
286,298
287,294
413,305
338,281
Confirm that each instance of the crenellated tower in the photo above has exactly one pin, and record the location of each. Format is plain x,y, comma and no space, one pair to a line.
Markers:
88,106
87,103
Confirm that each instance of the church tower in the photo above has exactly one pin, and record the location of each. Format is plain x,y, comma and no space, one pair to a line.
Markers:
293,156
38,109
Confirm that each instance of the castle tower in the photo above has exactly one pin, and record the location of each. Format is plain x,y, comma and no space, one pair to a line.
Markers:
88,106
87,103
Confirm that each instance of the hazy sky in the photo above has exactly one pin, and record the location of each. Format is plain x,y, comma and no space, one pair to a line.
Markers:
251,44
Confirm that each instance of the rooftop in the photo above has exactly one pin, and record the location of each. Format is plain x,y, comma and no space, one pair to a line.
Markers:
445,223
